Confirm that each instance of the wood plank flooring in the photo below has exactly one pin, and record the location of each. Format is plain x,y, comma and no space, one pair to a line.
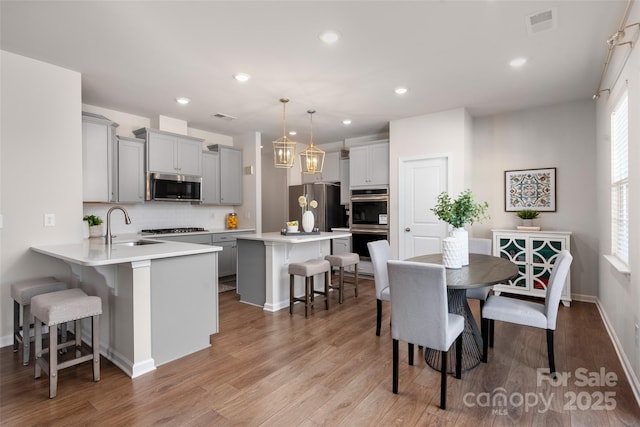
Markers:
273,369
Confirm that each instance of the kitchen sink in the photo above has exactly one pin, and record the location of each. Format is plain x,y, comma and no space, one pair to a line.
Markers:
139,243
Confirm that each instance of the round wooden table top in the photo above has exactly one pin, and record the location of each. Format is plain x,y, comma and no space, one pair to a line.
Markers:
483,270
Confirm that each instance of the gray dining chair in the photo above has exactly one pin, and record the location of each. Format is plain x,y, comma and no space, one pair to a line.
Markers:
483,247
380,253
544,316
419,315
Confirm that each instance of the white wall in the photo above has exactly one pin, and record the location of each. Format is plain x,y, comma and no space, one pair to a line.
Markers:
560,136
249,214
41,169
619,295
446,133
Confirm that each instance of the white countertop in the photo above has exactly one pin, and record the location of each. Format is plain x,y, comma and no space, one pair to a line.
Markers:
276,237
93,252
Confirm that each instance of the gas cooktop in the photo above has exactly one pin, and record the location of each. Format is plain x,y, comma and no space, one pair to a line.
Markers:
172,230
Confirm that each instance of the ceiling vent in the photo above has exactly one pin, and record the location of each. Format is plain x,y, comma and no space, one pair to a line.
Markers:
542,21
224,117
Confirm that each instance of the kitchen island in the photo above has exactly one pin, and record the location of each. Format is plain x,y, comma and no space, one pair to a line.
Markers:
159,298
263,260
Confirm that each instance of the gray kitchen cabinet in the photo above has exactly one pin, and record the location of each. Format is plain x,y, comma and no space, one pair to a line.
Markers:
330,170
210,178
345,194
172,153
130,170
230,174
98,158
369,165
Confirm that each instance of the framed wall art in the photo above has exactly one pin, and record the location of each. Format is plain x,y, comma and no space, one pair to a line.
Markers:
530,189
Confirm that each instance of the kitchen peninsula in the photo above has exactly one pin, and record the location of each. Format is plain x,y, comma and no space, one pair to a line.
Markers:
159,298
263,260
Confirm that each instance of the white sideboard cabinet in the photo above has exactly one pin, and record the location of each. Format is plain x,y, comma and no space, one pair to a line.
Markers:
534,253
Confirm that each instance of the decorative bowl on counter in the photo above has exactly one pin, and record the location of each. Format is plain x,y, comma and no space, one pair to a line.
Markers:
292,226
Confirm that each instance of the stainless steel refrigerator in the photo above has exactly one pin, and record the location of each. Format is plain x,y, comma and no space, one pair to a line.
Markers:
329,213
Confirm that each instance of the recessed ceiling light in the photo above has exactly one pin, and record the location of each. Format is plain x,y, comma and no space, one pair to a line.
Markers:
401,90
293,133
329,37
346,122
183,101
518,62
241,77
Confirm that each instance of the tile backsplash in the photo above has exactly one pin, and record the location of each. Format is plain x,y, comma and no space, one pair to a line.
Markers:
160,215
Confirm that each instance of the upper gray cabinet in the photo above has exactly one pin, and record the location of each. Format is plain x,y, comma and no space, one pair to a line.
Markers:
369,165
230,174
172,153
130,170
210,178
330,170
98,159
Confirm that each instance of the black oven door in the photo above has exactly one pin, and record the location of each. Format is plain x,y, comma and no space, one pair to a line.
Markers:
360,238
370,212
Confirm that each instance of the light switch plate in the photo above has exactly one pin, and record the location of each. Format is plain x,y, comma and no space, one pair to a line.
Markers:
49,220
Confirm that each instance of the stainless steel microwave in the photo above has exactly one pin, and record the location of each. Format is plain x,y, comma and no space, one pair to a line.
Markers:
175,188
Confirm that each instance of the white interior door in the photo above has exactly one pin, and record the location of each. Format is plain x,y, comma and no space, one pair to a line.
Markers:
420,231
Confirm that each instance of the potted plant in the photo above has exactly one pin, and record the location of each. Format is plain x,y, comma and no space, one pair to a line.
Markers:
95,225
460,212
527,216
308,220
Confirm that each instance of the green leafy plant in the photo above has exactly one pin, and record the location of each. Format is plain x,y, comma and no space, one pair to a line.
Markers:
92,220
461,211
528,214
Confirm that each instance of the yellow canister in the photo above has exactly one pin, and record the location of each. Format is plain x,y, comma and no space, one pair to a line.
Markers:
232,220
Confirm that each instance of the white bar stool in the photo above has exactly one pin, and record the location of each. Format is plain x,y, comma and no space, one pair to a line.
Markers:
57,308
308,269
22,292
341,261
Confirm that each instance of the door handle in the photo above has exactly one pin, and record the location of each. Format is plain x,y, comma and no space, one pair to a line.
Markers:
407,229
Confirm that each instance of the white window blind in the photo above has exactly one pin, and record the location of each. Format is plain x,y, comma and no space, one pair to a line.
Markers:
620,180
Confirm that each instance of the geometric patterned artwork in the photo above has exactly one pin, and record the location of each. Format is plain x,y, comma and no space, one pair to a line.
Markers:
530,189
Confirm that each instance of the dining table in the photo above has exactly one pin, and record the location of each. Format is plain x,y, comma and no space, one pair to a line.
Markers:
482,270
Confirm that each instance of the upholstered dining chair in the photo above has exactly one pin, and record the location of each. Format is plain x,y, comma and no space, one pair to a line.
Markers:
483,247
419,315
528,313
380,253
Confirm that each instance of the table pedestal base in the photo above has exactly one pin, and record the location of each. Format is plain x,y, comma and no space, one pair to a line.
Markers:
471,337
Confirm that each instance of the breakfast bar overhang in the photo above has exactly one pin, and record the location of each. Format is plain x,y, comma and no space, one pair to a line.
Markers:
263,260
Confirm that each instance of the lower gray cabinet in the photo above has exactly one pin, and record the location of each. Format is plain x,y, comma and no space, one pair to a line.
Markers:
227,258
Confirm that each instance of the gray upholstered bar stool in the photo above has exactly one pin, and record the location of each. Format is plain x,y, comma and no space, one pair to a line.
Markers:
22,292
308,269
341,261
56,308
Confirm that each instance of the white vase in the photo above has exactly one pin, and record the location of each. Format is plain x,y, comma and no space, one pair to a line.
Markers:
450,253
307,221
95,231
463,244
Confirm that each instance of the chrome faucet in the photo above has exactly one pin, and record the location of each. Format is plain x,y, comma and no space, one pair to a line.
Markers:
108,237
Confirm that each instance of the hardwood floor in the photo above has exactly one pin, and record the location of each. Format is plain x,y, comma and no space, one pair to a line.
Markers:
273,369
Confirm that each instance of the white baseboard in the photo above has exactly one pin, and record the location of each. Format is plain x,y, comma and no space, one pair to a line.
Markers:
626,365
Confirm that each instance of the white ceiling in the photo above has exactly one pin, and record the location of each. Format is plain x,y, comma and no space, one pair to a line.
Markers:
137,57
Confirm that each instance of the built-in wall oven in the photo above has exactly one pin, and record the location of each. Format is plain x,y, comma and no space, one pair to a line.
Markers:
368,219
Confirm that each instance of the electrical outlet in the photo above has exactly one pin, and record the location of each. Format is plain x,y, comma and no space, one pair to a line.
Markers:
49,220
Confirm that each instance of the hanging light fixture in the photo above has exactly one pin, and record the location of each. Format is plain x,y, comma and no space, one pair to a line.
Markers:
311,158
284,149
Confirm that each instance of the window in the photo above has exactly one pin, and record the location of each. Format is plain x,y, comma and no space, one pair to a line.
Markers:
620,180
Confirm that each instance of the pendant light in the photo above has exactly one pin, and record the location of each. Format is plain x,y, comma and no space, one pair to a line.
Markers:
284,149
311,158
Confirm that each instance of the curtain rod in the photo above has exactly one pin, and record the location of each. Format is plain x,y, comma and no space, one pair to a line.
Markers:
612,43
